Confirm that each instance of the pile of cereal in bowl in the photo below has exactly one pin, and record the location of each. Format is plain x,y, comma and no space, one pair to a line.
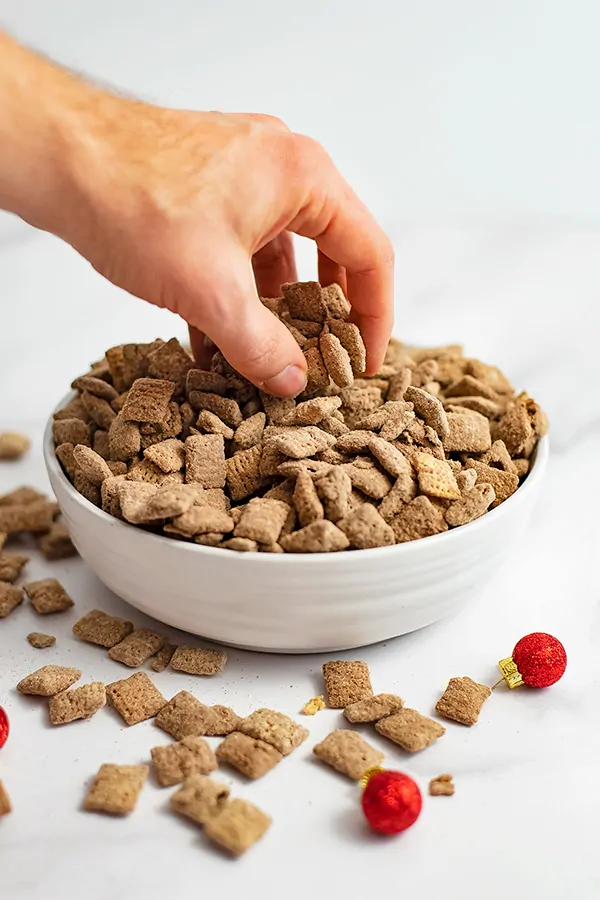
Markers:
431,442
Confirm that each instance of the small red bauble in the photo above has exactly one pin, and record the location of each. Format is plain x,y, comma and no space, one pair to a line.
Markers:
538,660
391,801
4,727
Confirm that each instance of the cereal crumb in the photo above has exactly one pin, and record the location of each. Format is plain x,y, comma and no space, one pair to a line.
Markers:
442,786
175,762
115,789
49,680
313,706
346,682
135,698
250,756
462,700
373,708
348,753
237,826
78,703
200,798
47,596
41,641
5,805
411,730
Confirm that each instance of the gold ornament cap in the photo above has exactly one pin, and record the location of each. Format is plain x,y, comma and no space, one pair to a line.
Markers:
510,673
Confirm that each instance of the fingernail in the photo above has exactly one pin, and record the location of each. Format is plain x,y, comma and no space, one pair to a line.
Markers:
289,382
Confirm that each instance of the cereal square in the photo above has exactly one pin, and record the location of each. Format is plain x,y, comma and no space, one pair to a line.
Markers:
134,497
262,520
244,472
57,543
115,789
36,517
78,703
172,363
190,756
168,455
250,756
5,806
365,528
274,728
11,565
238,826
183,716
161,660
348,753
135,698
200,798
205,460
47,596
91,464
462,700
305,300
49,680
410,729
346,682
148,401
321,536
198,660
98,627
10,598
137,647
436,478
41,641
374,708
337,360
467,434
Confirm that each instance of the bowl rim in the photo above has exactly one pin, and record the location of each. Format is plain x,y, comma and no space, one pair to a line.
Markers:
422,545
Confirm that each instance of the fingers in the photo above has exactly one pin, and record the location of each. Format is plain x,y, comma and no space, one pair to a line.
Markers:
202,348
274,265
331,273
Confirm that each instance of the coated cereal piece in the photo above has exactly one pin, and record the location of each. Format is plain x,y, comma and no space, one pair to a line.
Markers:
347,752
198,660
499,457
128,362
334,489
98,387
313,706
182,716
516,429
374,708
365,528
411,730
317,377
109,495
226,409
200,798
77,703
318,537
238,826
403,491
206,382
250,756
241,545
442,786
277,409
13,445
210,539
115,789
462,700
212,424
203,520
168,455
220,721
135,698
11,565
305,300
10,598
48,680
436,478
217,498
73,410
399,383
358,402
100,411
97,627
161,660
244,472
503,483
137,647
335,301
313,411
91,464
336,359
87,488
21,496
465,479
144,470
333,426
302,442
274,728
356,441
133,499
472,504
205,460
468,433
463,405
173,763
124,439
302,329
429,408
71,431
417,519
522,467
47,596
306,501
148,400
392,460
262,520
351,340
170,362
491,375
249,433
5,805
283,491
370,481
41,641
346,682
171,501
468,386
56,544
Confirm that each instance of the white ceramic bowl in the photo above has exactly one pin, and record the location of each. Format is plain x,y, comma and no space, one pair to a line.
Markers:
294,603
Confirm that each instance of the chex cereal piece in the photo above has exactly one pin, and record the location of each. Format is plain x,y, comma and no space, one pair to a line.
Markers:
463,405
198,660
91,464
390,457
148,400
226,409
124,439
49,680
73,410
336,359
262,520
5,805
465,478
200,798
78,703
356,441
172,500
70,431
274,728
249,433
313,411
170,362
318,537
10,598
316,372
115,789
498,456
436,477
21,496
134,497
36,518
87,488
210,539
161,660
57,543
503,483
11,565
13,445
429,408
313,706
370,481
417,519
351,340
399,383
175,762
100,444
410,729
237,826
515,428
168,455
403,491
96,386
277,409
100,411
299,443
137,647
98,627
41,641
135,698
182,716
373,708
241,545
473,503
202,520
334,489
468,433
462,700
244,472
212,424
365,528
334,426
306,501
305,300
250,756
348,753
47,596
335,301
207,382
205,460
442,786
346,682
220,721
145,471
390,420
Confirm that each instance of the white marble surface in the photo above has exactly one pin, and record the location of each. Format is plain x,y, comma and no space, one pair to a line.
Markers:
523,821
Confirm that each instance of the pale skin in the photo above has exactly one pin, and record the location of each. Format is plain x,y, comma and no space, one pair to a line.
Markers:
191,211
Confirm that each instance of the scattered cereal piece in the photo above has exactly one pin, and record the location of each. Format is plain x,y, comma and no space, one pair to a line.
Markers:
161,660
41,641
348,753
319,537
410,729
206,382
202,520
13,445
335,301
182,716
78,703
473,503
316,372
137,647
5,805
10,598
262,520
148,400
351,340
436,477
47,596
135,698
57,543
303,441
237,826
346,682
313,706
365,528
200,798
98,627
198,660
442,786
462,700
115,789
205,460
37,518
274,728
21,496
373,708
175,762
49,680
251,756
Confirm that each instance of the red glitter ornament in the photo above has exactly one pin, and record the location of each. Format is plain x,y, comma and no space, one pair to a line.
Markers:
538,660
4,727
391,801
